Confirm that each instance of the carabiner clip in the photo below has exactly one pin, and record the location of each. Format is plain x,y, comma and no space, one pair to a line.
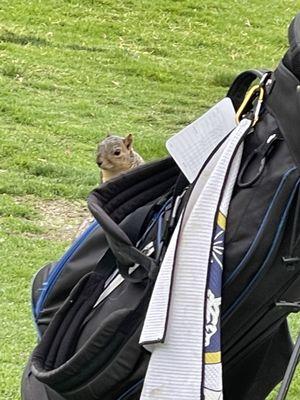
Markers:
251,92
255,91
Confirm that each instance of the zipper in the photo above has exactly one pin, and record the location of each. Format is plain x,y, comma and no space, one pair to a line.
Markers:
54,274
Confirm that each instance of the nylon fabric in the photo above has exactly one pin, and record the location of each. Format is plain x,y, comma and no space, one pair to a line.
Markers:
175,369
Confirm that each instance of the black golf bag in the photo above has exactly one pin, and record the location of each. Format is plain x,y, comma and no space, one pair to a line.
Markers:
89,307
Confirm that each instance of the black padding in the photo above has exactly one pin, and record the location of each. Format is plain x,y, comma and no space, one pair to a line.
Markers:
284,104
241,84
292,57
84,304
33,389
83,260
119,197
114,200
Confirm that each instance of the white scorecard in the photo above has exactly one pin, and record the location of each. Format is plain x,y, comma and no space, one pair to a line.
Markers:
190,146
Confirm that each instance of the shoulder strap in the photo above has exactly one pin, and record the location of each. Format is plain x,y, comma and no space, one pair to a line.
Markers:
241,84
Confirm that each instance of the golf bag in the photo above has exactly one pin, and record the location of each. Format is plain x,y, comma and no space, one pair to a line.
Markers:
90,306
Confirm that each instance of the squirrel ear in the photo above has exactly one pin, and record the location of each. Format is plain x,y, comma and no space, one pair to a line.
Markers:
128,141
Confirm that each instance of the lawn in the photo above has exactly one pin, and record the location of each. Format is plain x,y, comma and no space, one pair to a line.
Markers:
72,71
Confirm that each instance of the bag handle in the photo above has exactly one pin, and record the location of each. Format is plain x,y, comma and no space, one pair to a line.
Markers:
123,249
241,84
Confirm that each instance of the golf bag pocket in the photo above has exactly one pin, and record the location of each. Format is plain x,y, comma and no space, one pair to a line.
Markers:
91,352
268,235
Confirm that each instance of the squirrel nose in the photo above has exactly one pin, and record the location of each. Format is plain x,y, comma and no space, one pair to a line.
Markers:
99,163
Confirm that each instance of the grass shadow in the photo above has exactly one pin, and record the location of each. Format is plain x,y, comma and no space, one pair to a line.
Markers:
23,40
79,47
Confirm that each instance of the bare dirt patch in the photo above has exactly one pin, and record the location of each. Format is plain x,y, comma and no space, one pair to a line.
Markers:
60,219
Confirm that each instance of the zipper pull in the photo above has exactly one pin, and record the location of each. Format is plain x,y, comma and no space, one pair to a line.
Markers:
265,149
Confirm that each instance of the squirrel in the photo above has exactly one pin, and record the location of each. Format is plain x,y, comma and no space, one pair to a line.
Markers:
115,154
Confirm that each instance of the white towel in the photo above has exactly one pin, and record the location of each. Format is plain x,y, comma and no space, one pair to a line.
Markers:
174,328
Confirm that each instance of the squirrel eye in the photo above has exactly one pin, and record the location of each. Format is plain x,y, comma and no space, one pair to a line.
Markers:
117,152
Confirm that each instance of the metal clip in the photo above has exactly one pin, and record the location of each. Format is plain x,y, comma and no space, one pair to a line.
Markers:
258,105
291,262
249,95
255,91
291,306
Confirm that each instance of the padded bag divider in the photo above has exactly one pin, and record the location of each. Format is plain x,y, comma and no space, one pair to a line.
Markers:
143,184
155,178
81,374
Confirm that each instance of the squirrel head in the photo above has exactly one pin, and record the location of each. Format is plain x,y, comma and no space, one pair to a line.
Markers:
115,153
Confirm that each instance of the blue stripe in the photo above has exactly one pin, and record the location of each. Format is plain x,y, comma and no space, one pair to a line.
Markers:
54,274
130,390
257,238
246,291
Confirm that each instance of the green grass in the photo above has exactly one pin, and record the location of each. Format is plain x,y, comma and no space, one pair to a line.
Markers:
72,71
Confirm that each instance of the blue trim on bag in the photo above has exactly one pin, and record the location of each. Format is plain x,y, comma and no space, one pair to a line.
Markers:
245,292
157,217
54,274
252,248
57,269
